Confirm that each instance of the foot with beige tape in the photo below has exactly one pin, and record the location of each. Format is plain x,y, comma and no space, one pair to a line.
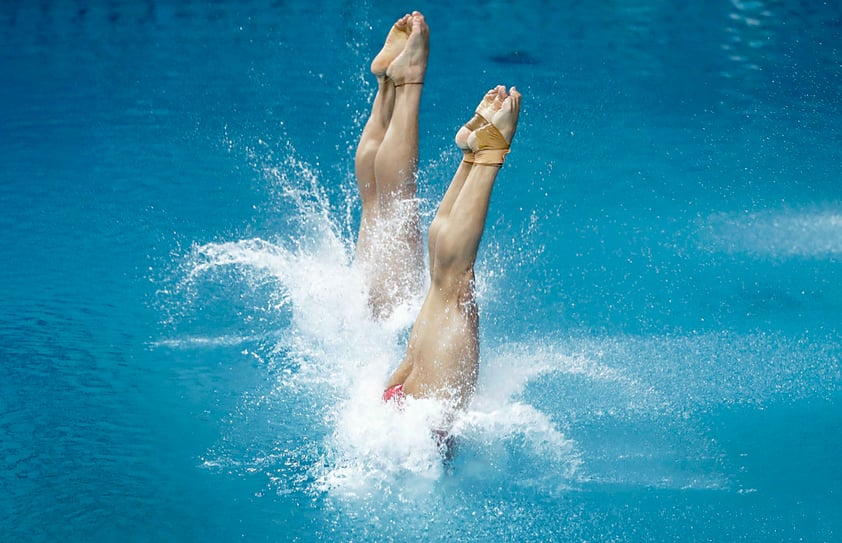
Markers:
490,143
491,103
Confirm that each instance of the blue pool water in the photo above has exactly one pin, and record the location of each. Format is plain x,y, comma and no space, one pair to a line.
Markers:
184,352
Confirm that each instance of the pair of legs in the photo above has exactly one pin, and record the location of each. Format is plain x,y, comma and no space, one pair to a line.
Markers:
442,357
389,244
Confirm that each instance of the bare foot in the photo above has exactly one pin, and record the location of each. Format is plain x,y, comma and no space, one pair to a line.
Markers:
491,102
395,43
411,64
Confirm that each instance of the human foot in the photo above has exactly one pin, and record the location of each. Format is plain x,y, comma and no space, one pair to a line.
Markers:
395,43
411,64
490,143
491,102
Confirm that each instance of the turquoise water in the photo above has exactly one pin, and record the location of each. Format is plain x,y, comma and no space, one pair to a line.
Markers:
185,355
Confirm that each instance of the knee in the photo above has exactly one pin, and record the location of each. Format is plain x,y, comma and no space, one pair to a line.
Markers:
441,246
445,249
367,150
433,233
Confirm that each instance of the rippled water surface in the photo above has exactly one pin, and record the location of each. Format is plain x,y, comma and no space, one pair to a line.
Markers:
184,348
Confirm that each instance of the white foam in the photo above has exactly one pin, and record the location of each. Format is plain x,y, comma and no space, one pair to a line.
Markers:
343,358
809,232
194,342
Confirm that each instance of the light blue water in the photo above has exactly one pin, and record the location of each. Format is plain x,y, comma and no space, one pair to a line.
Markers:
185,355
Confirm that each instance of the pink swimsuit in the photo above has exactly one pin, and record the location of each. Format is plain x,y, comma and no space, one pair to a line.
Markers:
395,393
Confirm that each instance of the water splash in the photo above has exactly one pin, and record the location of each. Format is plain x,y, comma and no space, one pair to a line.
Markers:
329,359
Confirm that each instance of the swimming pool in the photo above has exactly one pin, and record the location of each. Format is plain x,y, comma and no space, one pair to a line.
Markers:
184,350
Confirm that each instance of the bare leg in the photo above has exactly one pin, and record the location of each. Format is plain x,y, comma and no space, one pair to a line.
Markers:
374,131
442,358
389,244
491,102
370,141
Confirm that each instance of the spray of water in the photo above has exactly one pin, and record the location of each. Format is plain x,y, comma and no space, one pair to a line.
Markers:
330,360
